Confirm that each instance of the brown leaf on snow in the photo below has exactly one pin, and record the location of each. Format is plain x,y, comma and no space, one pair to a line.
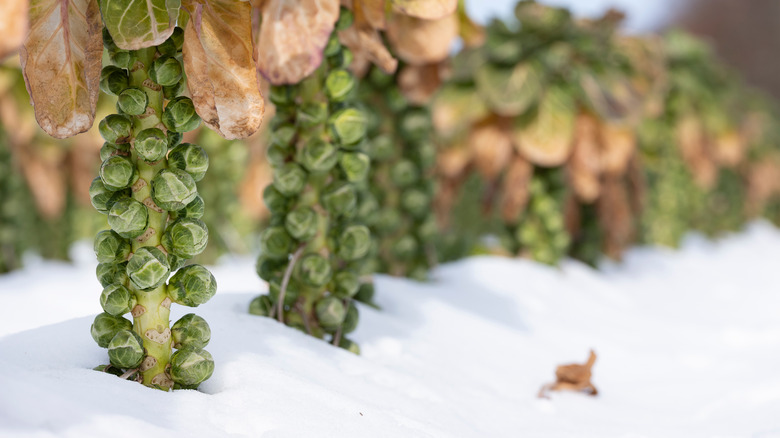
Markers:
572,377
584,167
515,188
425,9
365,43
13,26
61,60
221,74
292,35
418,41
491,147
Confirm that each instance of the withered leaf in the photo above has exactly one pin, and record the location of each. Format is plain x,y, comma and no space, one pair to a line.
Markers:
425,9
693,148
584,166
371,13
61,59
573,377
616,217
510,91
548,139
452,161
13,25
472,34
366,43
515,188
293,34
491,147
419,41
418,83
618,144
454,109
221,74
729,148
136,24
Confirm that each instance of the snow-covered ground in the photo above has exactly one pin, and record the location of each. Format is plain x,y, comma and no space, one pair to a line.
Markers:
688,345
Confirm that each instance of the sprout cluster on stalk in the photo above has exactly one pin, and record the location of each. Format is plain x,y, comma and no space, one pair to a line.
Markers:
147,189
314,253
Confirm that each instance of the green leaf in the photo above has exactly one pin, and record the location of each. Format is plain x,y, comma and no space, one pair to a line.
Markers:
136,24
510,91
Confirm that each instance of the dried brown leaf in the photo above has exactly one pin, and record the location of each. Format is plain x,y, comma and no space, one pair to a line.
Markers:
293,34
585,163
729,148
472,34
692,142
418,41
221,74
491,147
573,377
616,217
515,188
418,83
61,60
370,13
425,9
453,160
618,145
548,139
367,44
454,110
13,26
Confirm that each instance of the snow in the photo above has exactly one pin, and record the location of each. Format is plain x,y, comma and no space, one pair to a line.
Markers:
688,345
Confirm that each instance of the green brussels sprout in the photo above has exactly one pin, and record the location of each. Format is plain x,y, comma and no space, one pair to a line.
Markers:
425,154
355,165
110,247
302,223
275,243
102,198
342,59
284,134
180,116
290,179
339,198
106,326
177,37
416,202
126,350
191,158
116,128
311,114
108,41
346,284
354,242
151,145
113,80
339,85
404,173
191,366
128,218
122,58
168,47
349,346
148,268
387,220
193,210
405,247
367,208
267,269
190,331
366,293
276,202
396,100
382,148
174,138
177,89
176,262
380,79
261,306
318,156
428,229
165,70
347,126
110,369
333,46
314,270
527,235
282,95
192,286
345,19
351,320
108,150
111,273
186,237
277,154
330,312
118,172
173,189
291,294
415,124
132,101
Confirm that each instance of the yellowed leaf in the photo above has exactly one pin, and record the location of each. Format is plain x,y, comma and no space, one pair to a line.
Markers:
13,25
61,59
221,74
425,9
419,41
729,148
292,35
472,34
548,139
454,109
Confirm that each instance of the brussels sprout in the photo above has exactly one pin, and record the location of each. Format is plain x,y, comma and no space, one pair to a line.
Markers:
132,101
102,198
339,85
108,150
330,312
122,58
180,116
192,286
332,47
302,223
415,124
173,189
176,262
106,326
151,144
387,220
267,269
349,346
311,114
318,156
113,80
193,210
275,243
425,154
355,165
345,19
282,95
339,198
276,202
111,273
348,126
191,158
428,229
118,173
177,37
350,320
174,138
404,173
291,294
368,206
277,154
382,148
191,331
290,179
108,41
314,270
191,366
283,135
110,247
148,268
186,237
342,59
126,350
177,89
416,202
116,128
366,293
261,306
346,284
527,235
128,218
405,247
354,242
165,70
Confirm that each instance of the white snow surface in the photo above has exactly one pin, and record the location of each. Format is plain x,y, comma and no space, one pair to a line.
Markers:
688,345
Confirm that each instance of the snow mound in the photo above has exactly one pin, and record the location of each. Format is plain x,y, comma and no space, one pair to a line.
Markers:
688,345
